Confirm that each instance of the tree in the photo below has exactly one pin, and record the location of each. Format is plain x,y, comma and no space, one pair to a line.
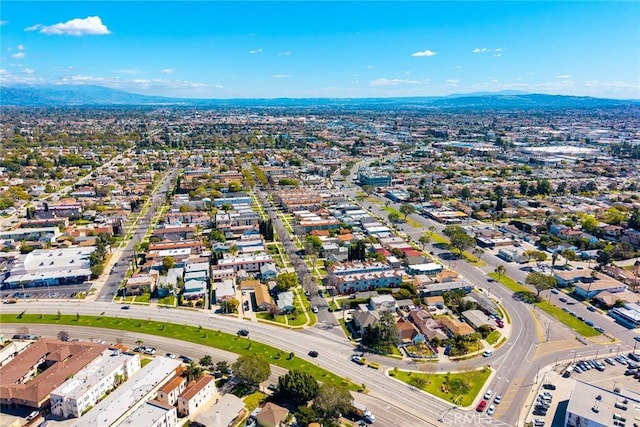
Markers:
229,305
167,263
332,400
604,258
425,239
315,242
206,360
298,385
305,415
286,281
465,193
634,219
500,270
458,237
251,369
540,281
589,223
614,216
193,371
63,336
222,366
393,217
407,209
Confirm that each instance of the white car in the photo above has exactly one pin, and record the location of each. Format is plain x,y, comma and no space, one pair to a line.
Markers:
488,395
491,410
498,399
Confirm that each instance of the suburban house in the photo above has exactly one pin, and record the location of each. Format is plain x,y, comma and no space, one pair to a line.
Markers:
455,327
271,415
169,393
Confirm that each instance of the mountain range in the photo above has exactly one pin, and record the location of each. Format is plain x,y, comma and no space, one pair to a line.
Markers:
86,95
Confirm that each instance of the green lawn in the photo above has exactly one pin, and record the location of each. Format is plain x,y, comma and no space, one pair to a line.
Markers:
208,337
146,297
254,400
572,322
493,337
434,384
169,300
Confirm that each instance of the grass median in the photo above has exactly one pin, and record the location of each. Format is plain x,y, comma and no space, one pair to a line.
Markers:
555,311
460,388
194,334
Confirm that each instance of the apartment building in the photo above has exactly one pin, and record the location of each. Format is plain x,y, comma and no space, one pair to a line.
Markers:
196,395
353,277
92,382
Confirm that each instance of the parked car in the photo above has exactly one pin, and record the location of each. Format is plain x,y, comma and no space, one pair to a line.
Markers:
491,410
313,353
125,307
487,353
481,406
549,386
610,361
591,308
488,394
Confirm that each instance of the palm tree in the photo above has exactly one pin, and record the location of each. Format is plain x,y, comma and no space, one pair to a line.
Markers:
194,371
500,270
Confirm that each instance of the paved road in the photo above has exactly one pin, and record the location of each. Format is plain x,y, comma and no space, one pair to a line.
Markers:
334,352
121,258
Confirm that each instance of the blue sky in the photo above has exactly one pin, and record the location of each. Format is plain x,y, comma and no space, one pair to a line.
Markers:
324,49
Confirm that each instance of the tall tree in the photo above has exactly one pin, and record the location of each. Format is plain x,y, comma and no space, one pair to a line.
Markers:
540,281
298,385
251,369
332,400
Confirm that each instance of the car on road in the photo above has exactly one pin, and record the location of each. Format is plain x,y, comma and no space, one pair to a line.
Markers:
637,338
591,308
488,394
313,353
497,399
565,309
491,410
563,299
487,353
170,355
599,329
243,332
481,406
314,309
125,307
554,291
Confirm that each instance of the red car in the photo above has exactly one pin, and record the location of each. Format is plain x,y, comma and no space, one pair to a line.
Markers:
481,406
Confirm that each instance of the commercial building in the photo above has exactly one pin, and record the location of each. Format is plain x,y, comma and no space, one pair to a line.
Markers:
92,382
51,267
151,414
628,315
374,178
593,406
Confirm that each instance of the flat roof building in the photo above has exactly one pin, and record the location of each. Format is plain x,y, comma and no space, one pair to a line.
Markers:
593,406
51,267
92,382
135,392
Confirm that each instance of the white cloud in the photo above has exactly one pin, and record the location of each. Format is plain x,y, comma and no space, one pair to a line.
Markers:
287,53
563,76
424,53
29,71
20,47
281,76
393,82
91,25
167,71
480,50
132,71
3,71
19,55
255,51
4,22
452,81
368,67
457,67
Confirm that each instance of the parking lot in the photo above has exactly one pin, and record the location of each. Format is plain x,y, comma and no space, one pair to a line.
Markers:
555,402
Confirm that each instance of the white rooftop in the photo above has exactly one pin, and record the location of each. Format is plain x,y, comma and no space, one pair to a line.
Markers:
130,393
91,374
